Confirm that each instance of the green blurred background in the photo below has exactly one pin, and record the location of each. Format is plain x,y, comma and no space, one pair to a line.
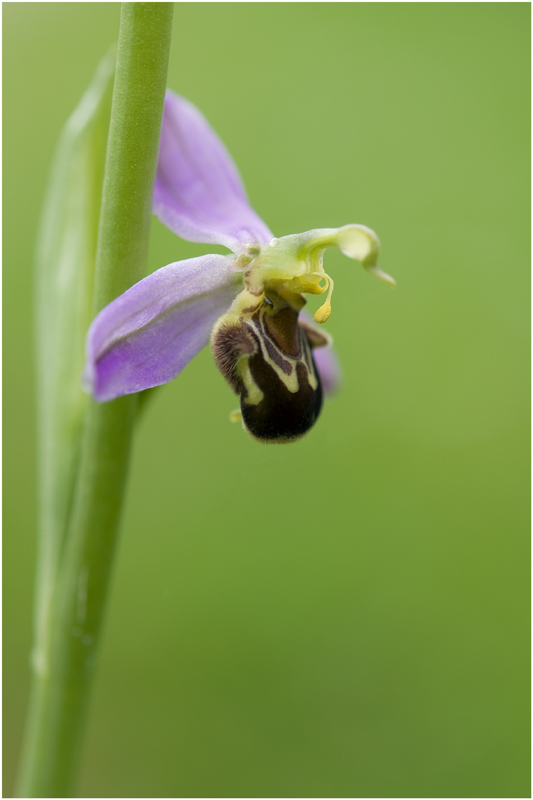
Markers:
347,616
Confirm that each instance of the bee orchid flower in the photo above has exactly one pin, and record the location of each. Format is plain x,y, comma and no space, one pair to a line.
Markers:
247,304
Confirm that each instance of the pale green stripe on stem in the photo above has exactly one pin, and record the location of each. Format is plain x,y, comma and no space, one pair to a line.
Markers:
64,278
63,675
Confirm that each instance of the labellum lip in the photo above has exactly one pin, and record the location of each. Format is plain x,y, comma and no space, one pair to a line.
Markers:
266,356
229,345
282,415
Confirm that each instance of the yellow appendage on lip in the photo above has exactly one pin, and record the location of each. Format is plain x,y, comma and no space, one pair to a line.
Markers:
322,314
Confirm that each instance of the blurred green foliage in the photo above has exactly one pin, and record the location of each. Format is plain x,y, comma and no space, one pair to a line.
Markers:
347,616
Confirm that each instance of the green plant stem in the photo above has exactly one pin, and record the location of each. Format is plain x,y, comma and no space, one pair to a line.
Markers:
62,679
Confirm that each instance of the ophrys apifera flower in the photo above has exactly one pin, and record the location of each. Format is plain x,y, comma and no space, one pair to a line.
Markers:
248,304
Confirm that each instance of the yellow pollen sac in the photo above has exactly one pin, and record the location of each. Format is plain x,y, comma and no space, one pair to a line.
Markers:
322,315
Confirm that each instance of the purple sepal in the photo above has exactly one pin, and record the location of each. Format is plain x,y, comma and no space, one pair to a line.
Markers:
150,333
328,368
198,192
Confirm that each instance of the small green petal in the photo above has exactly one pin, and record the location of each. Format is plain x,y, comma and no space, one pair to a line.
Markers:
296,260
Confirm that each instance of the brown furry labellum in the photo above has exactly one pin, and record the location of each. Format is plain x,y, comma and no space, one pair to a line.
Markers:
265,354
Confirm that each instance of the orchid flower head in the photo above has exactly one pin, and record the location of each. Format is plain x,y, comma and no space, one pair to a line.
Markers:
248,304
